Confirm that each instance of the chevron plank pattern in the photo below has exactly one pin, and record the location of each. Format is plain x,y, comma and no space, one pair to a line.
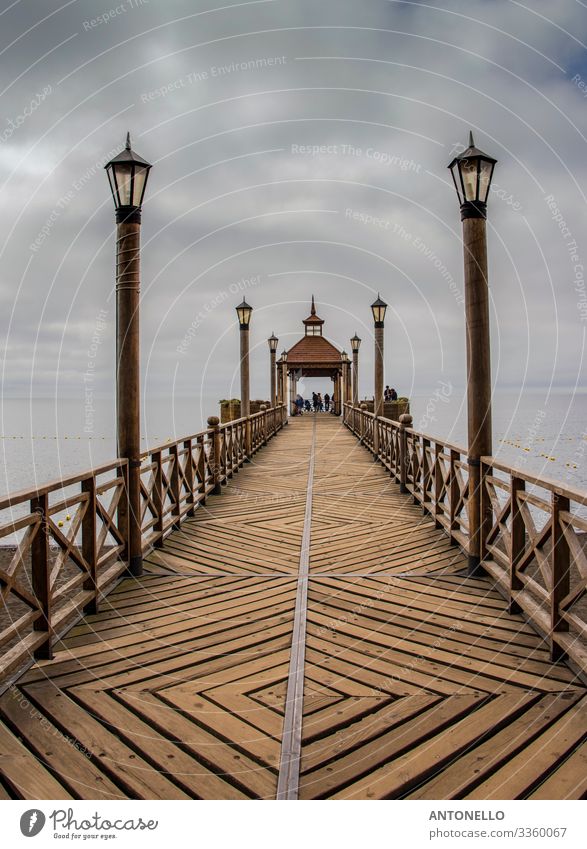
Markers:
417,682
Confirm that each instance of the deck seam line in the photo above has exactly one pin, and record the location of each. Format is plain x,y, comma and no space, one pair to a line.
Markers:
291,740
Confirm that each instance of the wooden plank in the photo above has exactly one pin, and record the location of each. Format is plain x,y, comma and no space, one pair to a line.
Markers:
394,779
24,773
136,777
469,770
536,762
59,752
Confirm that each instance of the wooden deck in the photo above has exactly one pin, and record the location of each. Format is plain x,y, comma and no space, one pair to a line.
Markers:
416,681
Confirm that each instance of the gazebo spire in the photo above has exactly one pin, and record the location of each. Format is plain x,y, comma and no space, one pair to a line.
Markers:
313,323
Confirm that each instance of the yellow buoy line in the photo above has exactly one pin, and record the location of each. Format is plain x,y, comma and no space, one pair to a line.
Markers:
517,444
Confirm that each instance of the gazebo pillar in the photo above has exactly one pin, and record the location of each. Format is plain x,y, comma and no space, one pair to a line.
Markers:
337,394
292,392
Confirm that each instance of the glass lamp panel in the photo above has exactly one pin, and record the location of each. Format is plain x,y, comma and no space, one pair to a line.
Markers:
139,183
468,168
485,174
455,178
379,313
244,314
113,188
123,174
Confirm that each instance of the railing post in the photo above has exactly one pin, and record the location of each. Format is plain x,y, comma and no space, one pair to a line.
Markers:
518,540
561,583
157,458
214,424
405,421
426,474
264,420
175,487
362,423
248,440
41,576
438,482
376,438
453,495
89,551
189,475
200,472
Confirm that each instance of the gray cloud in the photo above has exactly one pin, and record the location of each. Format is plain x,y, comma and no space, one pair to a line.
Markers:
221,100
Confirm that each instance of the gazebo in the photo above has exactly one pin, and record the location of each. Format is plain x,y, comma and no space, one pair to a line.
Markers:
314,356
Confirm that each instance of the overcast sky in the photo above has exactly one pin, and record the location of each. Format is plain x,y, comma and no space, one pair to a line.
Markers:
230,102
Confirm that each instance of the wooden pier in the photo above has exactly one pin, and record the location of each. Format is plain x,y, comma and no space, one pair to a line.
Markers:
310,633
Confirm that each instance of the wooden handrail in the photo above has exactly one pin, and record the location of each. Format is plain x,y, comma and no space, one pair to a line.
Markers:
542,573
71,547
22,495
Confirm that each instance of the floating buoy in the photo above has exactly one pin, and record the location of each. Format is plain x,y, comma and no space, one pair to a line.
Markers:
68,517
60,523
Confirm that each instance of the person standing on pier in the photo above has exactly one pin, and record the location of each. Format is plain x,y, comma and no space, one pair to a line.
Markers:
327,402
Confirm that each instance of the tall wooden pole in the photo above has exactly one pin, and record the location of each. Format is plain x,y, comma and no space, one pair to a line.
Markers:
128,244
244,346
273,377
378,403
378,399
284,383
293,392
355,378
478,373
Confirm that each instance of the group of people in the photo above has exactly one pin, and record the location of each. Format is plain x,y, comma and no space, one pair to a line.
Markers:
389,394
318,403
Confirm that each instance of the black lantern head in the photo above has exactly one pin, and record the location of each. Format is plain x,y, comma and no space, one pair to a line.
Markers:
378,309
472,171
284,356
128,173
273,340
244,315
355,343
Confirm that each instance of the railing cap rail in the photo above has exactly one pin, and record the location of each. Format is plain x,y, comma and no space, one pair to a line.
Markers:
12,499
552,484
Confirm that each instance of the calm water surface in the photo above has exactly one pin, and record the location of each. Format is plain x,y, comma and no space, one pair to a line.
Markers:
44,439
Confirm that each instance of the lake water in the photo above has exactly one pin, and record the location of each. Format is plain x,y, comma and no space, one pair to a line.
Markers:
544,433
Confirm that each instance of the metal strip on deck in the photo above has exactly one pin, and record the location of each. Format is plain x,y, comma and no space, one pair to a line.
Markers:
291,743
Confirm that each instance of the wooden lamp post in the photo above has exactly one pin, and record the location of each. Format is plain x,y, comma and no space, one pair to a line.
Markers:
378,308
472,171
244,312
128,174
355,345
346,388
284,377
273,340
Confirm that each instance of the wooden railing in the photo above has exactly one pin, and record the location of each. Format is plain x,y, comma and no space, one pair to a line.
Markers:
434,472
68,551
534,538
535,549
69,546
